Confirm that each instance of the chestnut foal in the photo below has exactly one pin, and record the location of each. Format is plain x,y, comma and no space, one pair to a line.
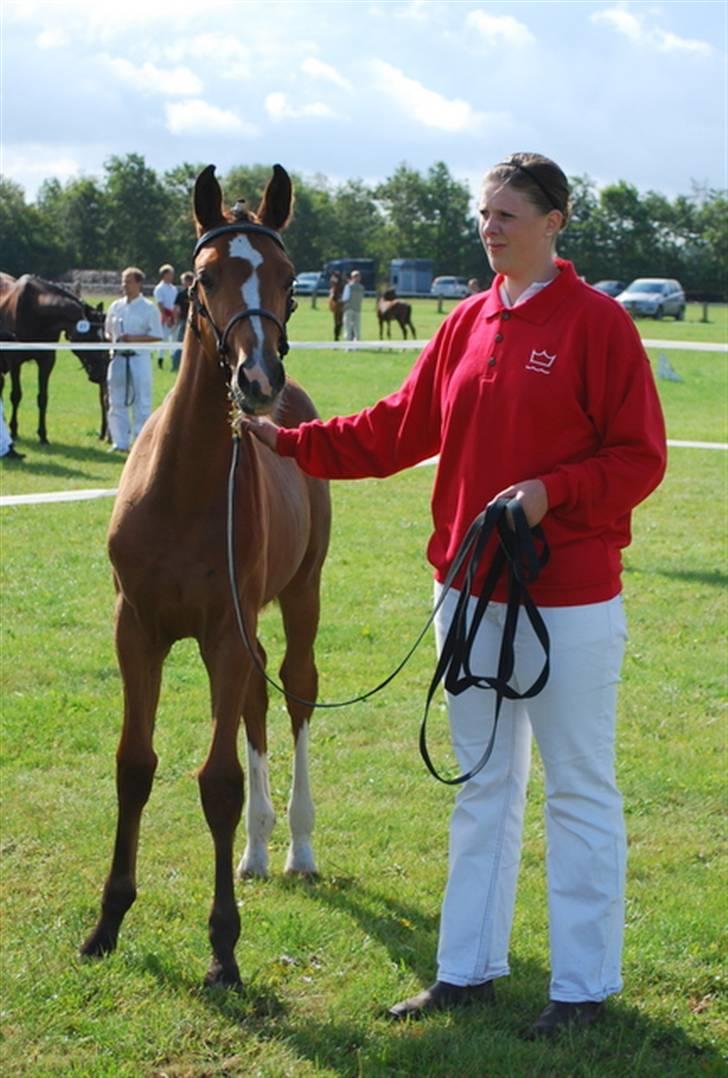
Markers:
167,546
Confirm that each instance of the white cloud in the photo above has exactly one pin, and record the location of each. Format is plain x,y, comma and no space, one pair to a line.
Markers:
634,27
34,162
620,20
150,79
279,108
667,42
426,106
317,69
198,118
52,39
232,59
500,29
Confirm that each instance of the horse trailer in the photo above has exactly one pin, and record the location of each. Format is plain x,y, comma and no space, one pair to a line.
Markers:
410,275
366,266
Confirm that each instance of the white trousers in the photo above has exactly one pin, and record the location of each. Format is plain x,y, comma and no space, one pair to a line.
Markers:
130,386
5,440
573,720
352,325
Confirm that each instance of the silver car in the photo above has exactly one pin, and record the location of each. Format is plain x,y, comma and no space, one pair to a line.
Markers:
653,297
450,287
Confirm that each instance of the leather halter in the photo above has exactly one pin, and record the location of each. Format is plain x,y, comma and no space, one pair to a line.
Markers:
221,337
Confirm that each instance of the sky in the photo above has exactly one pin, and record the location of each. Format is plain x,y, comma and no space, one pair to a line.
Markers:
610,90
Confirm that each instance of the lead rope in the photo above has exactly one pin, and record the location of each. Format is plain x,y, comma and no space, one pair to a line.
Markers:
516,549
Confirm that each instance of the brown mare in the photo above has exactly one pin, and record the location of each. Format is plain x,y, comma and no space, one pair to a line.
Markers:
167,546
336,303
36,310
390,309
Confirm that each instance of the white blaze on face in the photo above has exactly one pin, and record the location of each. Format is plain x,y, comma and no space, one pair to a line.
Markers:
241,247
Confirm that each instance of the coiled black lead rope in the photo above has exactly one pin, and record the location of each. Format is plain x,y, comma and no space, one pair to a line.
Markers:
516,549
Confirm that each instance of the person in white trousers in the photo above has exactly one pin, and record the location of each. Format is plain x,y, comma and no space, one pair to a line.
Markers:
538,390
130,321
165,296
353,297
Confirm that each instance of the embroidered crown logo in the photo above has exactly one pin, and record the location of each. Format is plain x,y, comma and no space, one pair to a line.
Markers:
541,362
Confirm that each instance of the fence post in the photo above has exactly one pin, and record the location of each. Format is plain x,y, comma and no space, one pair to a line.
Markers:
705,312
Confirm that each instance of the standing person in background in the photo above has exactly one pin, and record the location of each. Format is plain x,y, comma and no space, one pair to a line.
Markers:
165,296
182,306
7,449
336,304
537,390
129,321
353,298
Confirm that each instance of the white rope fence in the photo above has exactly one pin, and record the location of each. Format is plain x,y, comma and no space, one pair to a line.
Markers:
8,500
308,346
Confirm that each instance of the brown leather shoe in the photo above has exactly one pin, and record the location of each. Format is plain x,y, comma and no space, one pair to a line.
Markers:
442,996
559,1015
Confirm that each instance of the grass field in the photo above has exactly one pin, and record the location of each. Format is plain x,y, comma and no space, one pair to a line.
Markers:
320,960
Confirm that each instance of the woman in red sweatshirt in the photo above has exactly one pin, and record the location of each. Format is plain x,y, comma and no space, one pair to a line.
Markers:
538,389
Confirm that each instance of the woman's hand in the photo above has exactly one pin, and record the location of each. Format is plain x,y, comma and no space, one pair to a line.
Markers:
263,429
532,496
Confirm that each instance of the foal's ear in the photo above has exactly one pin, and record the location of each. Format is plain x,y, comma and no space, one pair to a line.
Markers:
275,207
207,201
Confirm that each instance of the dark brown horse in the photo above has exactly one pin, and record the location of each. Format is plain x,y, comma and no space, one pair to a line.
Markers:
390,309
336,302
37,310
168,549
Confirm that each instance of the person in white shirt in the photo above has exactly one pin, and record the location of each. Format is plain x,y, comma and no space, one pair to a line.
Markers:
165,296
353,297
129,321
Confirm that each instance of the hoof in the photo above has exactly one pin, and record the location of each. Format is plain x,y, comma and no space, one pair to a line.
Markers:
102,941
253,864
223,976
301,862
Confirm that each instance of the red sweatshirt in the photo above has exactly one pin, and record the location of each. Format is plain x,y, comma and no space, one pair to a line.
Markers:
558,389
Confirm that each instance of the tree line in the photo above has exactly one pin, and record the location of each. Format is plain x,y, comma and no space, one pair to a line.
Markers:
133,215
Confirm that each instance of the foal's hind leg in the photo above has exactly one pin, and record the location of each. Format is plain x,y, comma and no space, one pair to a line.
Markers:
300,609
140,662
260,815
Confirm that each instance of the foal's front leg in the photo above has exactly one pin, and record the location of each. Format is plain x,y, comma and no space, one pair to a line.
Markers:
140,662
221,791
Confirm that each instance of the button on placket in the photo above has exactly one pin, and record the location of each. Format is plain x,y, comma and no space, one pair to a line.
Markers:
492,361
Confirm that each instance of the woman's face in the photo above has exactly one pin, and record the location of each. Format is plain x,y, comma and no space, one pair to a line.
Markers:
517,236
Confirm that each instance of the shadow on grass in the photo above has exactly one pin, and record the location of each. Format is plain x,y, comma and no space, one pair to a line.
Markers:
475,1041
692,576
354,1037
53,460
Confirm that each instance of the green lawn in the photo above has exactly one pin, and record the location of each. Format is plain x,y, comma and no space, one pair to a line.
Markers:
321,960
